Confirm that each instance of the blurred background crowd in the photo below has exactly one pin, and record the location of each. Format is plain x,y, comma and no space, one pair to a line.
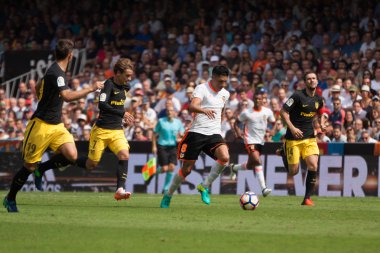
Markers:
267,45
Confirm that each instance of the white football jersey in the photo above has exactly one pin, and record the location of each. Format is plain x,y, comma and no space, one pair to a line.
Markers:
255,124
210,99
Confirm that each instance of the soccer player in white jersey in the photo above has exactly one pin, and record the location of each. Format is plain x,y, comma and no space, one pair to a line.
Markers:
255,121
208,102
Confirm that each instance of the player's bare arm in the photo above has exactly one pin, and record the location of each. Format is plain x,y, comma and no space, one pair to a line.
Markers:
195,106
323,120
154,143
237,130
297,133
70,95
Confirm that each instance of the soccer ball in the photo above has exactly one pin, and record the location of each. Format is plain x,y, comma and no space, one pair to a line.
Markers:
249,201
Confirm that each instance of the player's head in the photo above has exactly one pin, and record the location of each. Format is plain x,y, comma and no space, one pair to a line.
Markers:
123,70
220,76
170,112
258,100
64,49
311,80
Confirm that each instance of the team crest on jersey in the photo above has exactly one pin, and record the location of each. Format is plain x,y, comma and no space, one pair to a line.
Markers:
290,102
60,81
316,105
103,97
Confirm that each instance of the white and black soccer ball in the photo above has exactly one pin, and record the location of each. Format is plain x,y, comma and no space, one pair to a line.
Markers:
249,201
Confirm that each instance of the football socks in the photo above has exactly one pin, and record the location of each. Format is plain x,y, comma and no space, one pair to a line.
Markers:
18,181
121,174
311,180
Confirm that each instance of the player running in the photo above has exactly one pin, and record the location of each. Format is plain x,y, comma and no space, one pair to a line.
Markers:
299,113
255,124
108,130
46,129
208,102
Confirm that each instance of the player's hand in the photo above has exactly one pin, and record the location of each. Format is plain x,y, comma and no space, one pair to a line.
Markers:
154,150
128,118
210,113
297,133
238,135
97,85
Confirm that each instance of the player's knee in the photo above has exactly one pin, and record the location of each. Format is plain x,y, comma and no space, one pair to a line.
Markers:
250,165
293,169
223,159
123,155
171,167
30,166
164,168
186,171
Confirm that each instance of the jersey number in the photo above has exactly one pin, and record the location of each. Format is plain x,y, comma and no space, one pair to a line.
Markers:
31,148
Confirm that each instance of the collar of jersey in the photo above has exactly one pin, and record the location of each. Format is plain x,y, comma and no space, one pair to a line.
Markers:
211,87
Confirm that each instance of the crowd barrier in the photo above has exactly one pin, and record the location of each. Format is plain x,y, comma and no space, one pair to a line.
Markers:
350,170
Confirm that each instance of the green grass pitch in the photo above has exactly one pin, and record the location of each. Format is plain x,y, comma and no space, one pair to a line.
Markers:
95,222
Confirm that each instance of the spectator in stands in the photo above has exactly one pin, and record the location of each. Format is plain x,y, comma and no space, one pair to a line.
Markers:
337,134
366,137
278,131
359,113
338,114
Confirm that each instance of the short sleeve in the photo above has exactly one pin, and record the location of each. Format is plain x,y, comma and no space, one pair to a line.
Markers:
243,115
198,92
291,102
61,83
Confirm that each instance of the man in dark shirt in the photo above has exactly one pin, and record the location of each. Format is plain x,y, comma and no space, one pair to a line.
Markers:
46,129
299,113
108,130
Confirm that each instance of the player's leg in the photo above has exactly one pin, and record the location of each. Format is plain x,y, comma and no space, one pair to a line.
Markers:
34,145
220,153
18,181
234,168
310,154
293,154
97,144
169,176
281,151
172,162
254,156
119,146
188,150
176,182
61,142
163,162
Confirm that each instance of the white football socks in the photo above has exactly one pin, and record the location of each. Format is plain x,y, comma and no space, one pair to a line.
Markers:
215,171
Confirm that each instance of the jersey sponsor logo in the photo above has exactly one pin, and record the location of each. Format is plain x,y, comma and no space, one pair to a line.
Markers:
290,102
308,115
316,105
102,97
60,81
121,102
304,105
116,92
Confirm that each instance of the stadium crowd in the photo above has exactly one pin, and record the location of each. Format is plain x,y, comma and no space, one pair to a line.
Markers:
267,45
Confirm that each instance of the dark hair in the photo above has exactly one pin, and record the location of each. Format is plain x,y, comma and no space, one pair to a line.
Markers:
63,48
122,64
220,70
307,73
